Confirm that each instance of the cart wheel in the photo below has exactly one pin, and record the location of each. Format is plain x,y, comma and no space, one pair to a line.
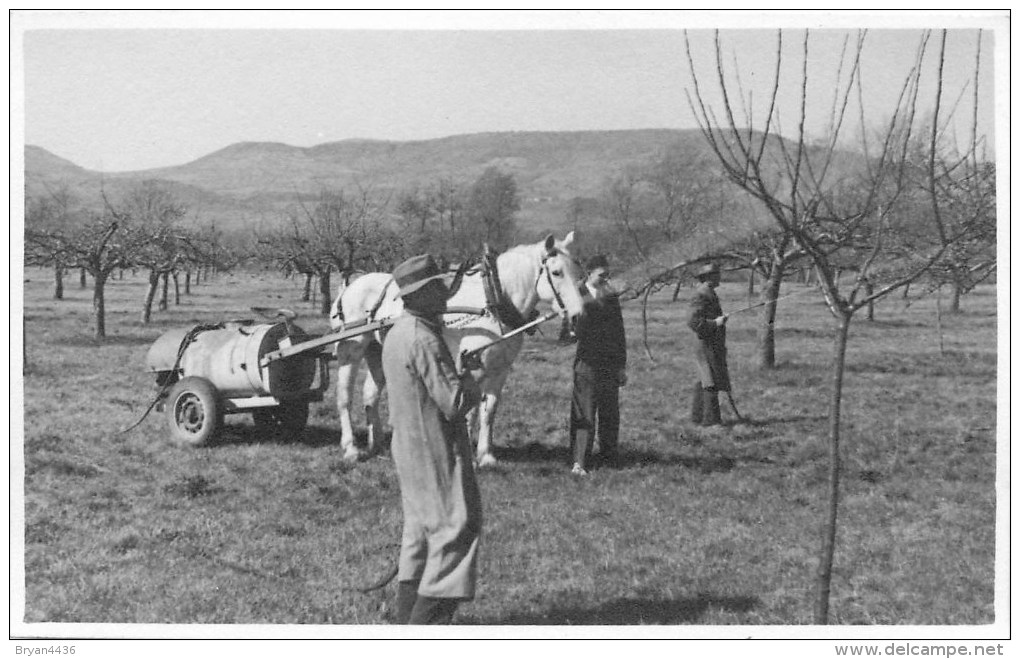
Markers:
289,417
194,412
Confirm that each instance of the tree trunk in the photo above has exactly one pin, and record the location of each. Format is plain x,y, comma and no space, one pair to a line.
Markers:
956,293
99,303
823,577
150,295
82,282
750,283
324,286
177,289
187,282
676,291
869,290
938,321
767,319
58,282
306,295
163,301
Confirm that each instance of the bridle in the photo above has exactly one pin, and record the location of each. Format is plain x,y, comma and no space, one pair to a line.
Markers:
548,276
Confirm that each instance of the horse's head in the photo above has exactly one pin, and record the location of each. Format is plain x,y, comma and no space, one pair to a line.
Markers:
561,277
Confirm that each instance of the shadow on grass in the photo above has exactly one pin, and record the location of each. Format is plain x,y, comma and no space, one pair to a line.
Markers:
79,341
950,363
788,419
880,323
628,611
311,436
560,455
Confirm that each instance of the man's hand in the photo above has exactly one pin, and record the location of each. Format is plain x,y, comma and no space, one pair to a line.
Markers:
621,377
470,361
721,320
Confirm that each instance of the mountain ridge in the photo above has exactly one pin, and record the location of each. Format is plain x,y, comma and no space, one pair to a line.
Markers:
247,180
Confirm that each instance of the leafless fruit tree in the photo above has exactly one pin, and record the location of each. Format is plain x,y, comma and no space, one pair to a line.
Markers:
838,203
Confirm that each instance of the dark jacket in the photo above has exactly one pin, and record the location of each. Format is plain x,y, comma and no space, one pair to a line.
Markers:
710,352
601,340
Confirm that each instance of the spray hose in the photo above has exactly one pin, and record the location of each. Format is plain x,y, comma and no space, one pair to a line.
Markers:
185,342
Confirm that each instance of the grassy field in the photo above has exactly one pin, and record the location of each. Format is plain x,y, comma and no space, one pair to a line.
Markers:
695,527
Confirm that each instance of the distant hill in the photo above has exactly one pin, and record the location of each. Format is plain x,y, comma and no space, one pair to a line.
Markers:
40,161
251,182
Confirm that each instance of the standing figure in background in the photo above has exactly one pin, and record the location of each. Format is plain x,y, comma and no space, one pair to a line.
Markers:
708,323
600,369
432,453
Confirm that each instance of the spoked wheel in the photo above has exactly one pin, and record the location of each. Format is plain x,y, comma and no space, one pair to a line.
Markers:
194,412
288,418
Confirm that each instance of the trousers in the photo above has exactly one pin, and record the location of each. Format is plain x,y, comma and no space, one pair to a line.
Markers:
705,406
594,411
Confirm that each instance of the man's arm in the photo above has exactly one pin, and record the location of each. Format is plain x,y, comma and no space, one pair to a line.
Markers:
453,393
700,320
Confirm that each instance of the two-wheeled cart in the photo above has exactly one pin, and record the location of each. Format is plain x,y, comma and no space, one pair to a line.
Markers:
271,370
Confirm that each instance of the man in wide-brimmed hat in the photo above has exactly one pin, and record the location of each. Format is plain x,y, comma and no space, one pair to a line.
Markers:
428,399
600,369
708,322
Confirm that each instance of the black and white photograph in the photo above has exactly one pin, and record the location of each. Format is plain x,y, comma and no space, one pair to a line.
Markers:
684,327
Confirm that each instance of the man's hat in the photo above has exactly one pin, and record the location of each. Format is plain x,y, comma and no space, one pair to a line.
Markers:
415,272
597,261
706,270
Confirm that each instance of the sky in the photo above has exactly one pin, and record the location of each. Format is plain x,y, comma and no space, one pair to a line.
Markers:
116,91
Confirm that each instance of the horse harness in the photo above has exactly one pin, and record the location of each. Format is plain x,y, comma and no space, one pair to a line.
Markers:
497,304
506,314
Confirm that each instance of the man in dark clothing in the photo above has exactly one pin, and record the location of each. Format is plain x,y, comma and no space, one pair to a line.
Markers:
600,369
709,324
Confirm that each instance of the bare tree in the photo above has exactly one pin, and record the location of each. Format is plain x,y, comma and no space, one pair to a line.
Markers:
833,203
340,232
100,245
151,213
621,203
491,209
769,253
54,212
684,194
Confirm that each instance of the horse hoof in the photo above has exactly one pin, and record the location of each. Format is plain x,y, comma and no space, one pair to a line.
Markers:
353,455
486,460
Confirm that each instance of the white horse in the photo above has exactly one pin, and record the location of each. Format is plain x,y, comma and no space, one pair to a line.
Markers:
527,273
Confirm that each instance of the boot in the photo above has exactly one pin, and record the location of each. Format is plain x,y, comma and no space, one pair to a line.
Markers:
712,414
697,405
433,611
407,594
580,448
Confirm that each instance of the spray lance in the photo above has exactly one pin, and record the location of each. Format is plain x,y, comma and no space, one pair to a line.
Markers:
762,304
471,360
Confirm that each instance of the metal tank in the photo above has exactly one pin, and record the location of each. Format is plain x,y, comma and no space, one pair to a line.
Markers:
230,358
211,370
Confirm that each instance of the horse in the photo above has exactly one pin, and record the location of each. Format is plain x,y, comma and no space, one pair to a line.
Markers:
525,274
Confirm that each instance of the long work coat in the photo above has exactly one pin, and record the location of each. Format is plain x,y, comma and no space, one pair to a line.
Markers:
710,350
432,453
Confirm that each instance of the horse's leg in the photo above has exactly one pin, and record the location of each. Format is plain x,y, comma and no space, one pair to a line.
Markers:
486,421
375,380
471,421
349,354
